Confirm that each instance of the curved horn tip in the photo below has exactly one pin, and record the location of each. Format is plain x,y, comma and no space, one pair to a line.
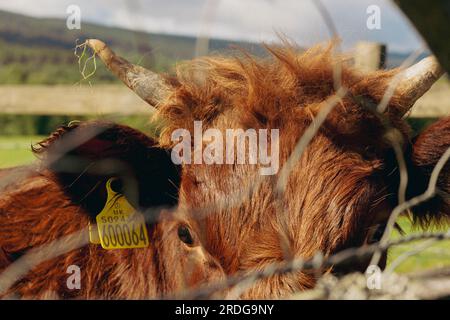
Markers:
418,79
427,66
101,49
96,45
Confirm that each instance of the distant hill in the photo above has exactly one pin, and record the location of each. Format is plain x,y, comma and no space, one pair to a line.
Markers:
41,50
395,59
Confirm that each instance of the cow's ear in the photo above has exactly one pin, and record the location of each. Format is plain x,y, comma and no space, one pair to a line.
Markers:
428,148
83,156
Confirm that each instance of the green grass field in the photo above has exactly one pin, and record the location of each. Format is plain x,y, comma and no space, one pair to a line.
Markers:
15,150
434,256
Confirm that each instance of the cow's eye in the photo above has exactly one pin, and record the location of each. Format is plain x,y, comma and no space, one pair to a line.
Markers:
185,235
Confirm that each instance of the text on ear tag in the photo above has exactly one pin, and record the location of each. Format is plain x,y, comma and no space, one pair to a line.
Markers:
119,225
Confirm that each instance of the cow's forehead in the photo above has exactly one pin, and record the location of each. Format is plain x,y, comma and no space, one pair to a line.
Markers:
286,91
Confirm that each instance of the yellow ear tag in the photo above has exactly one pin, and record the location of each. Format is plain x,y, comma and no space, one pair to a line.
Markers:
119,225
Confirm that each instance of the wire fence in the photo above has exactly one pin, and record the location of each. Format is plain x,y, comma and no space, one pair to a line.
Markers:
431,284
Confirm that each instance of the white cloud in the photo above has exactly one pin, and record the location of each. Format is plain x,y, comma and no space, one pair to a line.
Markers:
237,19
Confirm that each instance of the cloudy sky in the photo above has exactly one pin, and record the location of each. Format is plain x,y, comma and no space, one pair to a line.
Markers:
256,20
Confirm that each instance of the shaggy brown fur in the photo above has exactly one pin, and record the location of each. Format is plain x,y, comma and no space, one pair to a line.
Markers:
343,186
427,149
49,205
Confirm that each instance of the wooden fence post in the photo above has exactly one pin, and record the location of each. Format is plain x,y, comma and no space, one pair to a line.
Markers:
370,56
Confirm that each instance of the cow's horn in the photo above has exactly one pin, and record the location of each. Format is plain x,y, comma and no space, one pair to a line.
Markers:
148,85
417,79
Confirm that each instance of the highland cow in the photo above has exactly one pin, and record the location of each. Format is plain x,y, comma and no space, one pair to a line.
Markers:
340,190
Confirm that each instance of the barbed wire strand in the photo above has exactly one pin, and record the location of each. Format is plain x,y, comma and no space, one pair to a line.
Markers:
407,254
300,264
66,244
402,207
